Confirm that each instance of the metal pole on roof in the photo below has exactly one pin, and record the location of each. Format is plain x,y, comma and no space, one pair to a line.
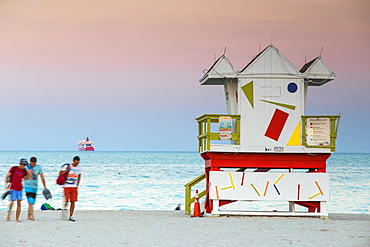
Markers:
322,48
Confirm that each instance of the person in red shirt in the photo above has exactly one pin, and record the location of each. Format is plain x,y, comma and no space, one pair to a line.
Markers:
16,174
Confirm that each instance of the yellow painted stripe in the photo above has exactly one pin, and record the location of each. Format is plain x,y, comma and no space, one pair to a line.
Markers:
277,180
225,188
291,107
231,180
318,186
255,190
314,195
218,197
267,185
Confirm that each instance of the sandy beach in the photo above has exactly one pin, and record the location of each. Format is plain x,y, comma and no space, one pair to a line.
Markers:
174,228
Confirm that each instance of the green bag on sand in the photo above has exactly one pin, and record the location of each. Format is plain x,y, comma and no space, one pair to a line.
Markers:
46,206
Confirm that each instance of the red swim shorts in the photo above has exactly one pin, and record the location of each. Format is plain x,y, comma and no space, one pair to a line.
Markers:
70,194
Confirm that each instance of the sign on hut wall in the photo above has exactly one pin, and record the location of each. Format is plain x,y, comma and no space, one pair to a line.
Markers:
318,131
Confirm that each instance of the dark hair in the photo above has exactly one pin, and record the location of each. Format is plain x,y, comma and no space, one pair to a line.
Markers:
33,159
76,158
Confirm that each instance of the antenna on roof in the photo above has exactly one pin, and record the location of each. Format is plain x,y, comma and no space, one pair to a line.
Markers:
225,50
305,59
322,48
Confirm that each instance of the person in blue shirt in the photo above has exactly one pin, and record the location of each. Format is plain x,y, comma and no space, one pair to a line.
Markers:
30,185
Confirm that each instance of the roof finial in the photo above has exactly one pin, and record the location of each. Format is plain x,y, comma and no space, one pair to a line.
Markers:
322,48
225,50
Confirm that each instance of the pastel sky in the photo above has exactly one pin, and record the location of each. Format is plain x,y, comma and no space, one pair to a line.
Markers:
126,73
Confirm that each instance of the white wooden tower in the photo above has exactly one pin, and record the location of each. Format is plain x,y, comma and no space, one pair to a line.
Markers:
265,128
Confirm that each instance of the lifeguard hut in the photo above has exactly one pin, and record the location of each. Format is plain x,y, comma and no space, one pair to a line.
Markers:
265,148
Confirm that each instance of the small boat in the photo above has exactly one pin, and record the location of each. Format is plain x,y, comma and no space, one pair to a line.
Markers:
86,145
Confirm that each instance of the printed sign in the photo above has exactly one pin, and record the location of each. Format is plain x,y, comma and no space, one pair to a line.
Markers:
224,126
318,131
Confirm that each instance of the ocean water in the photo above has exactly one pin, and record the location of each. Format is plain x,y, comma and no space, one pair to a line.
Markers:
155,180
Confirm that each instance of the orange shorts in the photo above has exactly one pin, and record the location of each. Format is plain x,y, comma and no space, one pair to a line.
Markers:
70,194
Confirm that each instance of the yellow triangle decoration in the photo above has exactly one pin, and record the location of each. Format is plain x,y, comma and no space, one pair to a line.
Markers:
248,91
295,138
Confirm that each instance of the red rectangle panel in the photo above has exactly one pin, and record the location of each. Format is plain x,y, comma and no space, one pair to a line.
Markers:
276,125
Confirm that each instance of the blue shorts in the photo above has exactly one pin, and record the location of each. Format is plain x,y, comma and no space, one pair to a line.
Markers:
15,195
31,194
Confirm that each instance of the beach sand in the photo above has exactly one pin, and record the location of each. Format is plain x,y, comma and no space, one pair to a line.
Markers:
174,228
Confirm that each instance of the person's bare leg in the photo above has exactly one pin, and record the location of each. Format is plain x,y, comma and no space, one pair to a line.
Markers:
29,212
72,209
30,215
64,214
18,212
9,210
